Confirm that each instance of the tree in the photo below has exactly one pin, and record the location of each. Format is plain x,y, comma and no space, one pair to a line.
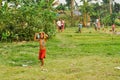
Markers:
106,1
61,7
68,3
116,8
93,12
22,23
85,9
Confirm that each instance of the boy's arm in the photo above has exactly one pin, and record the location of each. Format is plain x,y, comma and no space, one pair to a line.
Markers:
35,37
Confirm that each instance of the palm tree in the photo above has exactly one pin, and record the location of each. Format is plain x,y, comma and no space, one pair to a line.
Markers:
108,2
85,11
68,3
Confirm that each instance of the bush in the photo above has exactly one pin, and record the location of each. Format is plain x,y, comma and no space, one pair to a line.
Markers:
109,19
23,23
117,22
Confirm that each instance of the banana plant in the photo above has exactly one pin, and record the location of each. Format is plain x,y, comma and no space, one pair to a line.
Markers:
85,9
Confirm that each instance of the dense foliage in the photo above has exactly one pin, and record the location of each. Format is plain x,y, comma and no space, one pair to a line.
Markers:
22,23
68,2
101,11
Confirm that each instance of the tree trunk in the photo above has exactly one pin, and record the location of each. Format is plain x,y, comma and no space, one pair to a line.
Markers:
110,3
72,7
0,3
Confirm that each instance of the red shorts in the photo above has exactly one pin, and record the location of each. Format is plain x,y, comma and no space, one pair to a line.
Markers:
42,54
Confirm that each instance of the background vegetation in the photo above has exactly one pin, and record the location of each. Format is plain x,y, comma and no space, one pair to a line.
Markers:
21,23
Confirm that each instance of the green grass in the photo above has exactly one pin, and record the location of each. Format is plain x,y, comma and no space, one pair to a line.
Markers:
89,55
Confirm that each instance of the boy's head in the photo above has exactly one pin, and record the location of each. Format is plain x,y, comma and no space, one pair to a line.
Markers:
42,35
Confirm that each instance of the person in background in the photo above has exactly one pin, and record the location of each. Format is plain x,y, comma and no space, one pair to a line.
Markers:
98,23
79,27
113,27
88,24
59,25
95,26
63,24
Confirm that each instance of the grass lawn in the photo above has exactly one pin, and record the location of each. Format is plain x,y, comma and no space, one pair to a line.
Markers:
89,55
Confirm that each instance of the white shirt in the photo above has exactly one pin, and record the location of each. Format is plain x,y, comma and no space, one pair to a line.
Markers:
59,23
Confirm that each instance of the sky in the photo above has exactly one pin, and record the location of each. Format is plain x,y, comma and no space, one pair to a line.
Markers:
118,1
63,1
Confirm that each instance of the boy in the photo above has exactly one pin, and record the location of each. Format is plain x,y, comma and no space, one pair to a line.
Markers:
95,26
41,37
79,27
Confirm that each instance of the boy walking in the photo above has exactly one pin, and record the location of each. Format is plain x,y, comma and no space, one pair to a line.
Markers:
41,37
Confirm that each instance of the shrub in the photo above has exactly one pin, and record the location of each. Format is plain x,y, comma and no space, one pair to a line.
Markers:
24,22
117,22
